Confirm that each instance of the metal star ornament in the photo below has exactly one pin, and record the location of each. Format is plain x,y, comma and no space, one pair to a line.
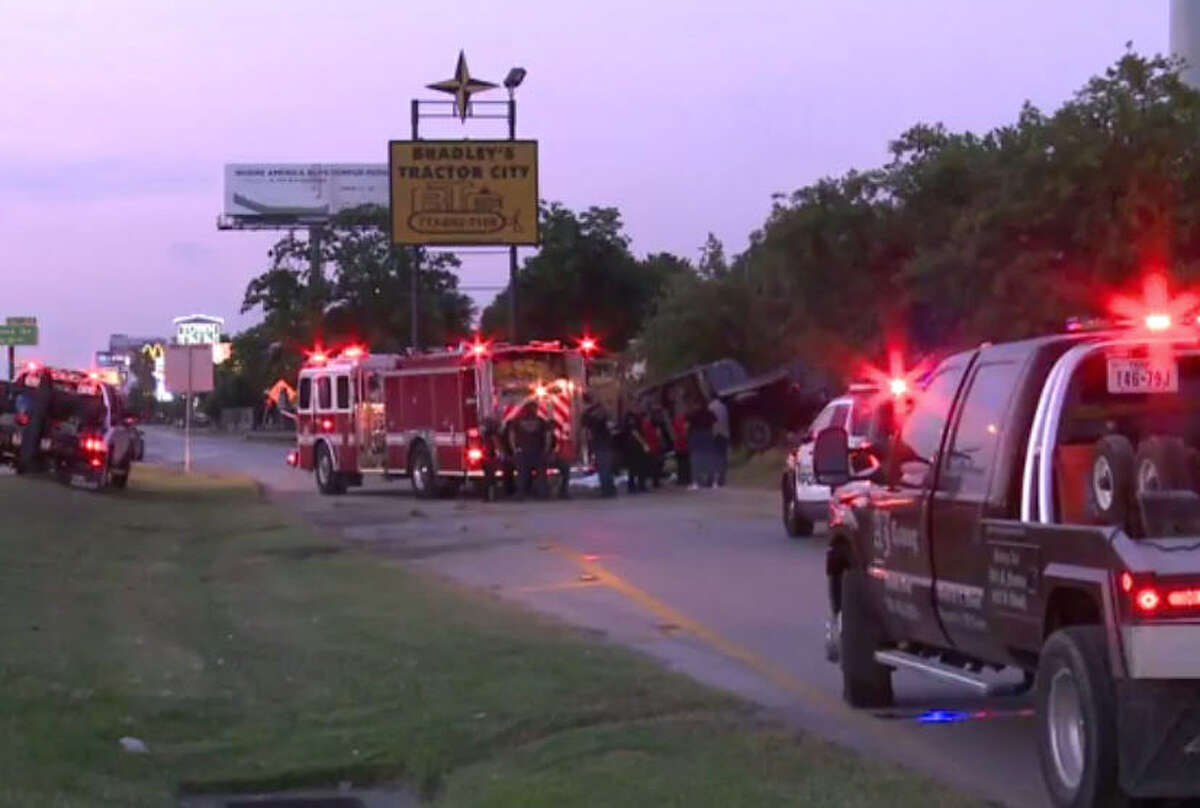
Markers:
462,87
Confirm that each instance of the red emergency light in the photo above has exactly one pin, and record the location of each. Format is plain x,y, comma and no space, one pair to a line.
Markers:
317,356
354,352
32,367
588,345
1157,311
327,424
474,455
479,348
293,458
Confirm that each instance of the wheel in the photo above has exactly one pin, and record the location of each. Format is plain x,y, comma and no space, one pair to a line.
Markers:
1161,464
1110,482
328,480
757,434
1077,723
865,683
793,521
420,470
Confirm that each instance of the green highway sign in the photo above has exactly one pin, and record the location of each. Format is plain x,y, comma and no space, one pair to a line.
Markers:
19,331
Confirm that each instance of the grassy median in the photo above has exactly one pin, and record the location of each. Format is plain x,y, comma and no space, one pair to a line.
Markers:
250,653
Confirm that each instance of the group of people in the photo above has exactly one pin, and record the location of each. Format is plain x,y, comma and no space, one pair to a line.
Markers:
520,453
645,437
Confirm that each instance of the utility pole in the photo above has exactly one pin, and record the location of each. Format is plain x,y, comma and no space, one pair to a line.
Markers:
12,362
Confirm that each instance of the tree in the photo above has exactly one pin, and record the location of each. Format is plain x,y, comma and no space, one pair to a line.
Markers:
583,279
360,291
960,237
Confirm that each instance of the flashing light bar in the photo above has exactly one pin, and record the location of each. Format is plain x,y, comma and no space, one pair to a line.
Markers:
354,352
898,386
1158,322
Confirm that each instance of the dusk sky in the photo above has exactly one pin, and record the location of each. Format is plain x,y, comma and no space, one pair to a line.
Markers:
117,118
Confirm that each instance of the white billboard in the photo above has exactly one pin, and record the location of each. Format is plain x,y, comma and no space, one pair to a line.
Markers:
189,369
302,190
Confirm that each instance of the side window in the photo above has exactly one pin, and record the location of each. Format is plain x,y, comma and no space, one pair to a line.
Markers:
973,449
324,396
922,432
840,416
824,418
343,392
305,393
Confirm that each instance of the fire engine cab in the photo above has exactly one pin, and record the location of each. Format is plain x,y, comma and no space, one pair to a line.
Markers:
419,415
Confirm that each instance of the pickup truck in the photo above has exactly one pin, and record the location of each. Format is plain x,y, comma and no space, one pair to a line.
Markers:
1039,511
68,423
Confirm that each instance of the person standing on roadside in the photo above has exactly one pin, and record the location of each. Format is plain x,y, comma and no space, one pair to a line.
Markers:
595,423
654,447
633,448
720,441
493,455
530,436
683,458
700,422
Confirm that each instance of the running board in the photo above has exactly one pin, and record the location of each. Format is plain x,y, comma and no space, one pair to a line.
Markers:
931,667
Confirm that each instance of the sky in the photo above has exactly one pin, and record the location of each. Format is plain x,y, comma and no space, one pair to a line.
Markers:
116,118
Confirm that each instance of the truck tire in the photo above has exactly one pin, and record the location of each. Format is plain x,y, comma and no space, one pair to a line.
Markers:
1161,464
793,521
1110,481
1075,699
420,471
329,482
865,683
756,433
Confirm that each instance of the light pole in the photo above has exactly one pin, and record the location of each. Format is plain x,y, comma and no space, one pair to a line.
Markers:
511,82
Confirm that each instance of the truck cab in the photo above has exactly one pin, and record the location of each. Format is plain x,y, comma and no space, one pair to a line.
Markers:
1040,510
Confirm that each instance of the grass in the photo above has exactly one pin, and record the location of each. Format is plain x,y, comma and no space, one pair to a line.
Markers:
761,470
250,653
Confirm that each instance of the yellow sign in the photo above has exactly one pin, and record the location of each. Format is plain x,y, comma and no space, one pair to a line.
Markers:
464,192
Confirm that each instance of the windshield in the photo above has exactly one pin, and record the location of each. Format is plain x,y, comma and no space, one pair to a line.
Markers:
860,416
1129,442
515,377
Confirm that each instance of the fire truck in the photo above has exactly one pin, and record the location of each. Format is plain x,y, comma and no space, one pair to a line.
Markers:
418,415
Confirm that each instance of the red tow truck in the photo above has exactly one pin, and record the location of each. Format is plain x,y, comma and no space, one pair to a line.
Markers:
419,415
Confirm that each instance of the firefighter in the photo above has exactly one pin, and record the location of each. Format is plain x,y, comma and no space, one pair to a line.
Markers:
493,456
529,439
635,451
560,464
595,422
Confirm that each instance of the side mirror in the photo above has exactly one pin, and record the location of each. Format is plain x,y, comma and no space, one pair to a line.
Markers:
831,457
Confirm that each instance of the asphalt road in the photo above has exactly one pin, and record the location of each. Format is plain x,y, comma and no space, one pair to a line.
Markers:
706,581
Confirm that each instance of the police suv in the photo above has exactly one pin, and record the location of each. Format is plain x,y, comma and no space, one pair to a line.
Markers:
1038,509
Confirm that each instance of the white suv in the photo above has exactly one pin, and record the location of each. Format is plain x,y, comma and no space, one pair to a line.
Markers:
805,501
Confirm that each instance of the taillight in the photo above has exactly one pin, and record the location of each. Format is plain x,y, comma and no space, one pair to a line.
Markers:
1150,597
92,444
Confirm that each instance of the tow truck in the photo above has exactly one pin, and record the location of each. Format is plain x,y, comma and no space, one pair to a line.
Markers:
67,422
1040,512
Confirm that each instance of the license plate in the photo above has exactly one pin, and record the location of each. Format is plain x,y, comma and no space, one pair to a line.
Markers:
1143,376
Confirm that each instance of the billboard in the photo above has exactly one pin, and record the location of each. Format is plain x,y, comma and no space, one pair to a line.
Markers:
302,191
198,329
463,192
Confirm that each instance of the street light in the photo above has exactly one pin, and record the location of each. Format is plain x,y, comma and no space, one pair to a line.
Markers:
511,82
514,78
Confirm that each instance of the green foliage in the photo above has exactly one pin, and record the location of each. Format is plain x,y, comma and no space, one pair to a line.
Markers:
360,292
583,279
960,237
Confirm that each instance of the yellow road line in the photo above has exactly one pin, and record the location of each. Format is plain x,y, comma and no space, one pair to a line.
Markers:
880,729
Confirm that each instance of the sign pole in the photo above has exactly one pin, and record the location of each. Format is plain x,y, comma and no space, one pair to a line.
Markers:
512,249
187,418
12,362
414,264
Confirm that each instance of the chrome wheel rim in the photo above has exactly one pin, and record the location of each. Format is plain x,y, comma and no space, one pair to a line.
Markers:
1103,483
1148,478
1066,728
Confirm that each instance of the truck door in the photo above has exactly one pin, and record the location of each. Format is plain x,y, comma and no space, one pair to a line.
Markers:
344,423
370,428
902,563
962,500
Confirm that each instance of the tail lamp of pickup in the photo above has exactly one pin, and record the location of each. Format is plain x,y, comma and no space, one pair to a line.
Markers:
94,449
1148,598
